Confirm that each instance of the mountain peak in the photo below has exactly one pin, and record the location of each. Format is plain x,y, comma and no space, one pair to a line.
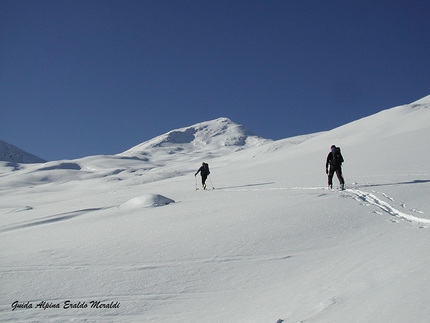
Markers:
210,135
10,153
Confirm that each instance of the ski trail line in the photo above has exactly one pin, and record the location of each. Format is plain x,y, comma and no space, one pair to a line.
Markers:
373,200
360,195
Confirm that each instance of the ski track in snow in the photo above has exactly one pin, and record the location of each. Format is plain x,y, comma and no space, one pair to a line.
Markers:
358,195
373,200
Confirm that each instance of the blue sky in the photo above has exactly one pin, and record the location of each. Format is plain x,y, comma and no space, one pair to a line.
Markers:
80,78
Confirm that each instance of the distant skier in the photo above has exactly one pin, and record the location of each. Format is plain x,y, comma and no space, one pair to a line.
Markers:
335,160
204,172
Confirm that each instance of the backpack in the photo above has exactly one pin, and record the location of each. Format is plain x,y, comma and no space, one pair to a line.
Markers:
206,169
337,157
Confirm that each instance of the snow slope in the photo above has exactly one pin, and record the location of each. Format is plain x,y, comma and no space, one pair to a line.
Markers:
269,244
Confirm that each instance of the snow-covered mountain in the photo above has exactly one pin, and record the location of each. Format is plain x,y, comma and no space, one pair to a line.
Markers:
203,140
219,133
177,152
267,243
10,153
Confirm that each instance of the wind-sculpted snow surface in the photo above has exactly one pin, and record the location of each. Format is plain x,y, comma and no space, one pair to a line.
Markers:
128,238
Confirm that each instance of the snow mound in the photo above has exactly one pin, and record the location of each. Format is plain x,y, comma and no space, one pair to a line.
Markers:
147,200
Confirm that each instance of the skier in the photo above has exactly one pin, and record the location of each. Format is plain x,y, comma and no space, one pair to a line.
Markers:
204,172
335,160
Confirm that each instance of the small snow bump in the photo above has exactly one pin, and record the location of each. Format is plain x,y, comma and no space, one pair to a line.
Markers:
147,200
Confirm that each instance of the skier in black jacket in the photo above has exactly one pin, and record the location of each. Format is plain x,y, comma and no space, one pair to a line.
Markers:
335,160
204,172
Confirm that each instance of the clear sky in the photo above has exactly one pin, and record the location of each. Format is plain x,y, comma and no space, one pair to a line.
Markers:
80,78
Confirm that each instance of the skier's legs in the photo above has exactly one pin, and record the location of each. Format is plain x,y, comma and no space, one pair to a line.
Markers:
339,175
204,177
330,176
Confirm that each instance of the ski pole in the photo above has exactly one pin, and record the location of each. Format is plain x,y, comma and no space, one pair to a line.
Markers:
211,183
